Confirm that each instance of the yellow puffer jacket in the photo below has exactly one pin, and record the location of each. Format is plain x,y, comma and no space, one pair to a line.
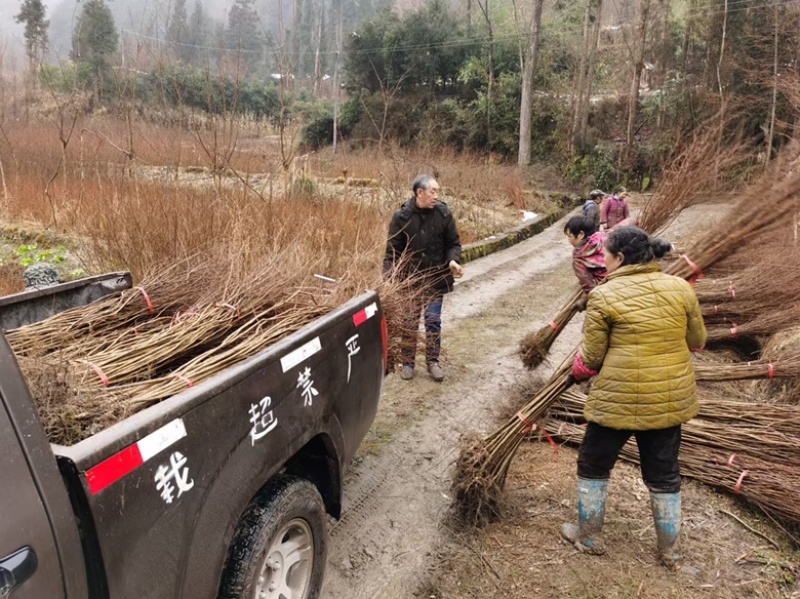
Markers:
640,325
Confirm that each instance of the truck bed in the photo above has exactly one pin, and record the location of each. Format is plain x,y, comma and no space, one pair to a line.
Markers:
159,494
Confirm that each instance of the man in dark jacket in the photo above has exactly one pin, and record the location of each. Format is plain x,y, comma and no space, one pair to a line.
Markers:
423,232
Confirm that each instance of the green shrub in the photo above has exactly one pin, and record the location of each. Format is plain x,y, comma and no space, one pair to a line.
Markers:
597,166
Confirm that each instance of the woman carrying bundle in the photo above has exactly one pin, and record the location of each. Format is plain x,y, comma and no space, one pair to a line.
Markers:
588,263
641,325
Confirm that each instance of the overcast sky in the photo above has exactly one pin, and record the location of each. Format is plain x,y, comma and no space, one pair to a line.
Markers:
127,14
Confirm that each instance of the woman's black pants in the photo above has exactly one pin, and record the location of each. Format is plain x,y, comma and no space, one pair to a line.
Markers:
658,455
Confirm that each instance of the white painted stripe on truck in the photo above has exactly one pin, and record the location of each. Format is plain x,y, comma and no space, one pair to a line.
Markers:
159,440
301,354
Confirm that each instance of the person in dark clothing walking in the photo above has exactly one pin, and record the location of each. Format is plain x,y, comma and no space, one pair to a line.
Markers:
423,232
591,207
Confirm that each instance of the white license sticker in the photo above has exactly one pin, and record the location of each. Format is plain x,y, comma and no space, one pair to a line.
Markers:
301,354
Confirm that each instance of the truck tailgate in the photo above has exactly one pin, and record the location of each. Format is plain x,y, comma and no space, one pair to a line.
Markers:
164,489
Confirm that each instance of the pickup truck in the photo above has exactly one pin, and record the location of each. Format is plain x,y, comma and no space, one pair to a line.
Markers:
222,491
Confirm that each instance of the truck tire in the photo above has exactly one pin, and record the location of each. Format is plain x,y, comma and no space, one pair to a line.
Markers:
280,545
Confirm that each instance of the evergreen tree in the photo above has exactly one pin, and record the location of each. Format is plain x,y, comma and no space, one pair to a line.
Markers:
176,32
197,35
243,33
31,13
95,38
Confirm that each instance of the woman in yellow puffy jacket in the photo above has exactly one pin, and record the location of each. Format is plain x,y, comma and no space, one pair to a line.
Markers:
640,328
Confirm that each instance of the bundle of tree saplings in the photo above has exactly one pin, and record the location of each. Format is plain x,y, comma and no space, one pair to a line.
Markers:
162,293
120,364
732,445
758,212
687,180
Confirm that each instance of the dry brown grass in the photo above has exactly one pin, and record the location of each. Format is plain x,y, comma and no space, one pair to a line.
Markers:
11,278
152,217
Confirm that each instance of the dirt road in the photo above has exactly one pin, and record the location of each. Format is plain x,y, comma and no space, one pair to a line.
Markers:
397,495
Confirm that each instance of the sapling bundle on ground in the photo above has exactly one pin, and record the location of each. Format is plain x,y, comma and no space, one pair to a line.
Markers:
483,463
762,431
758,212
770,485
766,323
784,364
686,180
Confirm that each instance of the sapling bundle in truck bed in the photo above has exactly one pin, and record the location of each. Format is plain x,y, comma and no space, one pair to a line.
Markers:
217,400
95,365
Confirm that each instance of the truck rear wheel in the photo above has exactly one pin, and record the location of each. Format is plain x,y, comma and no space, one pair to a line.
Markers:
279,548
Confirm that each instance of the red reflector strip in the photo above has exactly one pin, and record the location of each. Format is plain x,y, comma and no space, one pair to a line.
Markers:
129,459
385,343
114,468
364,315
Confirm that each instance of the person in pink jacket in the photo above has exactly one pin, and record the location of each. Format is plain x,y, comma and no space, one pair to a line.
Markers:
588,261
614,210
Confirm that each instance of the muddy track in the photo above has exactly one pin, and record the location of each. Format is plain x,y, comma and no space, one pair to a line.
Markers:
397,497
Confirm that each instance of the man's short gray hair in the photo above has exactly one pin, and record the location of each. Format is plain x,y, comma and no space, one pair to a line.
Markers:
422,182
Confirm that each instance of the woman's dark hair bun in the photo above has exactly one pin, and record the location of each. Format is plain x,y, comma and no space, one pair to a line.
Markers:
660,247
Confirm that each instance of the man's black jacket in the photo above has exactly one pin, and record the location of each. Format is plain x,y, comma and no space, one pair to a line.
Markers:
429,240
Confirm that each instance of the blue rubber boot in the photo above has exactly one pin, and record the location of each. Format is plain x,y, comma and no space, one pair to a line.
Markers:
585,535
667,517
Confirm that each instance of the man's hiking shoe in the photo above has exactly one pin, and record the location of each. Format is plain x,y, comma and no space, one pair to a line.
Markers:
436,372
407,373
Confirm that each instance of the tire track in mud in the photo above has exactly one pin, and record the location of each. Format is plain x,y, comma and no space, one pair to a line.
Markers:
396,502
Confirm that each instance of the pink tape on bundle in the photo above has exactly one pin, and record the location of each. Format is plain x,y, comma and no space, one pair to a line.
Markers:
738,486
185,379
146,298
697,270
531,425
98,370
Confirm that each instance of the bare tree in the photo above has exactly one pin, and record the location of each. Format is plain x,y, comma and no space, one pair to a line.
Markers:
585,75
337,56
528,72
637,56
484,6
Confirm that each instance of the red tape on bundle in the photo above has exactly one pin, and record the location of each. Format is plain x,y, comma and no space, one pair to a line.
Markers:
733,329
770,371
231,307
146,298
730,459
550,440
698,271
738,486
98,371
186,380
715,309
554,326
531,425
732,289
